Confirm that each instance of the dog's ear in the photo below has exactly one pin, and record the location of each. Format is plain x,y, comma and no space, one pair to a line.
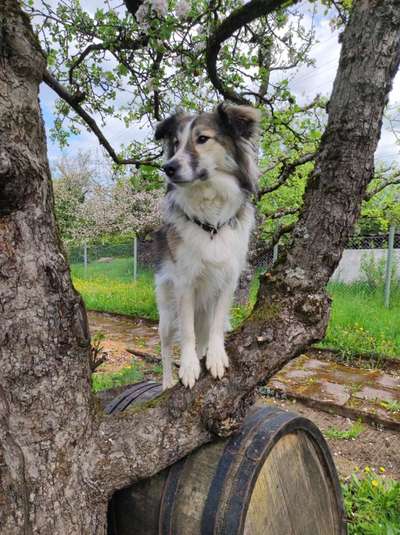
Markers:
167,128
242,121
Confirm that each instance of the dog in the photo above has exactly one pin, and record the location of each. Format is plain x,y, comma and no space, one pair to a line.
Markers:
211,171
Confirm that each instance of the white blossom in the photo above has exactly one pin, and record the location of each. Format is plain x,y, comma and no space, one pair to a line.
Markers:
199,46
182,9
141,13
160,7
118,209
150,85
89,211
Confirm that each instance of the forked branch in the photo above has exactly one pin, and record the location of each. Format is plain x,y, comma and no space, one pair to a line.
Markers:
236,20
74,102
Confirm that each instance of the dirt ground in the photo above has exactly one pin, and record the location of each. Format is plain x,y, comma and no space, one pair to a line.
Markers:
374,448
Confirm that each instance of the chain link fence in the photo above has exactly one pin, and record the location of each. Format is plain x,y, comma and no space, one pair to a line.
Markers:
128,259
371,260
373,241
365,260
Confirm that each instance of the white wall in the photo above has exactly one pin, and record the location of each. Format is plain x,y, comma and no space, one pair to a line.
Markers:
349,268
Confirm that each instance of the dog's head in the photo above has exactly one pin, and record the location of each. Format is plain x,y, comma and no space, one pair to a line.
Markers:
198,146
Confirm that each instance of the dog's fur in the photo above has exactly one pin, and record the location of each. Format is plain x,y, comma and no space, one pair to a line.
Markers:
211,163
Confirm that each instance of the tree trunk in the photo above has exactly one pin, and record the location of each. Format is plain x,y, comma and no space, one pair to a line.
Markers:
46,416
60,456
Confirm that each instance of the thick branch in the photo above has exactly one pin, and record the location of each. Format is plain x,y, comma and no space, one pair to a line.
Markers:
91,123
292,308
282,212
133,5
236,20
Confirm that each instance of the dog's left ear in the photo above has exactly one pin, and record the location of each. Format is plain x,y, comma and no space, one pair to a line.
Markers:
166,128
242,121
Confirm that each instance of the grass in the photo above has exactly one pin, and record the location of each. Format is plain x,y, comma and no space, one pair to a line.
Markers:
131,374
372,505
351,433
391,406
359,322
109,287
126,376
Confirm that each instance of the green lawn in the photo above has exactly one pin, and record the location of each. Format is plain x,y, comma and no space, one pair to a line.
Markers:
359,322
109,287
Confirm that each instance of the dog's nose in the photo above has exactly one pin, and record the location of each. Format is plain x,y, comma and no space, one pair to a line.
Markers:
170,168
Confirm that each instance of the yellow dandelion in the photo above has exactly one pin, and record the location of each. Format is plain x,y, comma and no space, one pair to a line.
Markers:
374,482
381,469
367,469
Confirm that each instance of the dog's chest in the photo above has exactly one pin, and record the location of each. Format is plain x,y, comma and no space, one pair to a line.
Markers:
203,255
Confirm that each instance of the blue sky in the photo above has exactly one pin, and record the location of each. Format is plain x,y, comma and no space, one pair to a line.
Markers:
307,83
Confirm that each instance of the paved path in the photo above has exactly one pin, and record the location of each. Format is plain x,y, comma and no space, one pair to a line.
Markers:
372,395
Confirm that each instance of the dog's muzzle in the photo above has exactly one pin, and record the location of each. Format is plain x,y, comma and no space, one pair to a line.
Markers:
171,169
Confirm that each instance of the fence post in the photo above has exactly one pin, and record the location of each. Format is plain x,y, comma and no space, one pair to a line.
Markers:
389,261
85,257
275,253
134,258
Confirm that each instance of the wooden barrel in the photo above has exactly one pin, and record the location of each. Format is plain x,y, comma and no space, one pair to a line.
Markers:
275,476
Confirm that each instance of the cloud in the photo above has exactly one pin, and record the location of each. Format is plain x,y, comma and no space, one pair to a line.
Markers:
318,79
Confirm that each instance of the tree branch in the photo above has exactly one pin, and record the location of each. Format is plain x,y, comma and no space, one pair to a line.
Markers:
392,181
236,20
287,170
133,5
282,212
83,55
123,44
73,101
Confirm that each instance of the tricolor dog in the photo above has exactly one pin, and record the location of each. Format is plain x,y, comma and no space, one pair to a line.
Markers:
211,169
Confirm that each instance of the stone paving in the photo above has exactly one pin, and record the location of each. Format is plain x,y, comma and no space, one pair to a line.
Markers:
369,394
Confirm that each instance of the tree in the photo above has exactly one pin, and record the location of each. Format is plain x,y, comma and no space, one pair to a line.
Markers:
74,180
61,457
89,76
89,209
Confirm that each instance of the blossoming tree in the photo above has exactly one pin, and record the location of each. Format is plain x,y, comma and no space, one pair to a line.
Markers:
61,457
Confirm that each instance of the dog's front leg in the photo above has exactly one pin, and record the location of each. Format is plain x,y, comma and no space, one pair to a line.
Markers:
217,359
189,370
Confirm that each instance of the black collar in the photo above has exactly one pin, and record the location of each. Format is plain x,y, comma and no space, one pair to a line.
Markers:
212,229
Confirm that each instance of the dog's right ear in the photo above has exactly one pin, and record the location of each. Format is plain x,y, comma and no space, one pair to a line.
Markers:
240,121
166,128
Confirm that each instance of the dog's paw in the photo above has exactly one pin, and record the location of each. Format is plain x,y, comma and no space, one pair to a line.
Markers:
216,362
167,383
189,372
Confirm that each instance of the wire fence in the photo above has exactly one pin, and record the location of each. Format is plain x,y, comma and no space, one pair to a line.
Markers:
370,259
127,259
373,241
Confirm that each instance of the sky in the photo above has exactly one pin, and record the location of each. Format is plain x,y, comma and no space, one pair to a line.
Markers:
306,83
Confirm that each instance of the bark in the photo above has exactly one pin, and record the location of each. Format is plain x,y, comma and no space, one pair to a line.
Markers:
60,456
45,409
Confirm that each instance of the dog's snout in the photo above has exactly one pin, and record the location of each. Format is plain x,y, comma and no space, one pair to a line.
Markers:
171,168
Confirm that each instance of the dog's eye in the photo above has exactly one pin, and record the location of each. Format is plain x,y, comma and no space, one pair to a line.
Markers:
202,139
